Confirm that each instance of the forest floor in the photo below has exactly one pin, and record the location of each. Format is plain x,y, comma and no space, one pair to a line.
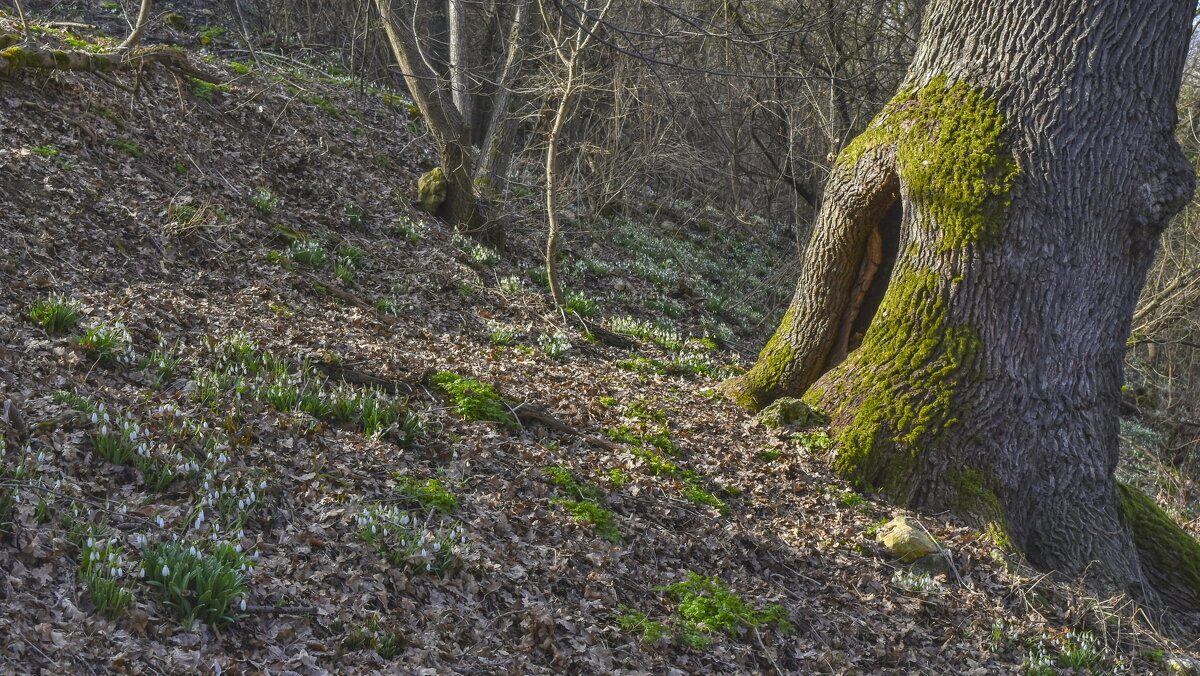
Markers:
274,374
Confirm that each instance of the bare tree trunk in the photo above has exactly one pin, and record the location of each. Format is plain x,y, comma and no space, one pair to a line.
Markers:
433,97
139,27
496,153
552,185
1022,177
569,52
460,57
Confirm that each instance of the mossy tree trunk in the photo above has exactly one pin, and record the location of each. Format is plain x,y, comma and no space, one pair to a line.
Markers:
964,305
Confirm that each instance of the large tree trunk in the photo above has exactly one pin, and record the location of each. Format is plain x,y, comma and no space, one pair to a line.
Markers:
989,234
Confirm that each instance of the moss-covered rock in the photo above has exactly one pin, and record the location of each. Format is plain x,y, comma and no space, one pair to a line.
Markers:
175,21
907,542
431,190
790,412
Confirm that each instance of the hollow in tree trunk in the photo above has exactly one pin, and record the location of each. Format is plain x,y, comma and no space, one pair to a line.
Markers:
964,304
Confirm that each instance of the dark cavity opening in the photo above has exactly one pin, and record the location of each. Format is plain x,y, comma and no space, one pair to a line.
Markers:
888,232
874,275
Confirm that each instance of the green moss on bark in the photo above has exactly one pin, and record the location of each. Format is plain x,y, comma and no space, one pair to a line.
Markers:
896,394
1169,551
950,157
758,386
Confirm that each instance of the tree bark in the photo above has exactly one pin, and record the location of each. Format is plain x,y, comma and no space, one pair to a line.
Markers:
497,149
433,97
1033,157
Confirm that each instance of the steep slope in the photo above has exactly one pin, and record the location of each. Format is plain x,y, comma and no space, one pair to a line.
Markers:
295,343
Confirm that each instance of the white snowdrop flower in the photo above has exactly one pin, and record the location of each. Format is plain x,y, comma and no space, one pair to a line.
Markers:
437,546
103,430
262,484
112,572
95,418
106,418
424,554
243,604
166,571
237,547
142,572
124,509
161,523
57,484
91,543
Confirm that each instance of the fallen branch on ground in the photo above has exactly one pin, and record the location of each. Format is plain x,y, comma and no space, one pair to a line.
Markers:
16,56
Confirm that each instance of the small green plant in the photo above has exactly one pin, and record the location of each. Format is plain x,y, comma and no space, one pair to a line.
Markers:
111,344
354,216
920,583
46,150
239,68
127,146
210,33
699,496
429,493
538,276
353,256
406,229
852,500
769,454
587,511
307,252
324,104
817,441
198,584
584,503
1080,650
204,90
617,477
404,540
703,606
182,214
636,621
561,477
115,440
873,529
265,201
474,250
502,334
512,285
474,400
581,305
555,345
706,605
161,362
102,569
387,645
55,313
